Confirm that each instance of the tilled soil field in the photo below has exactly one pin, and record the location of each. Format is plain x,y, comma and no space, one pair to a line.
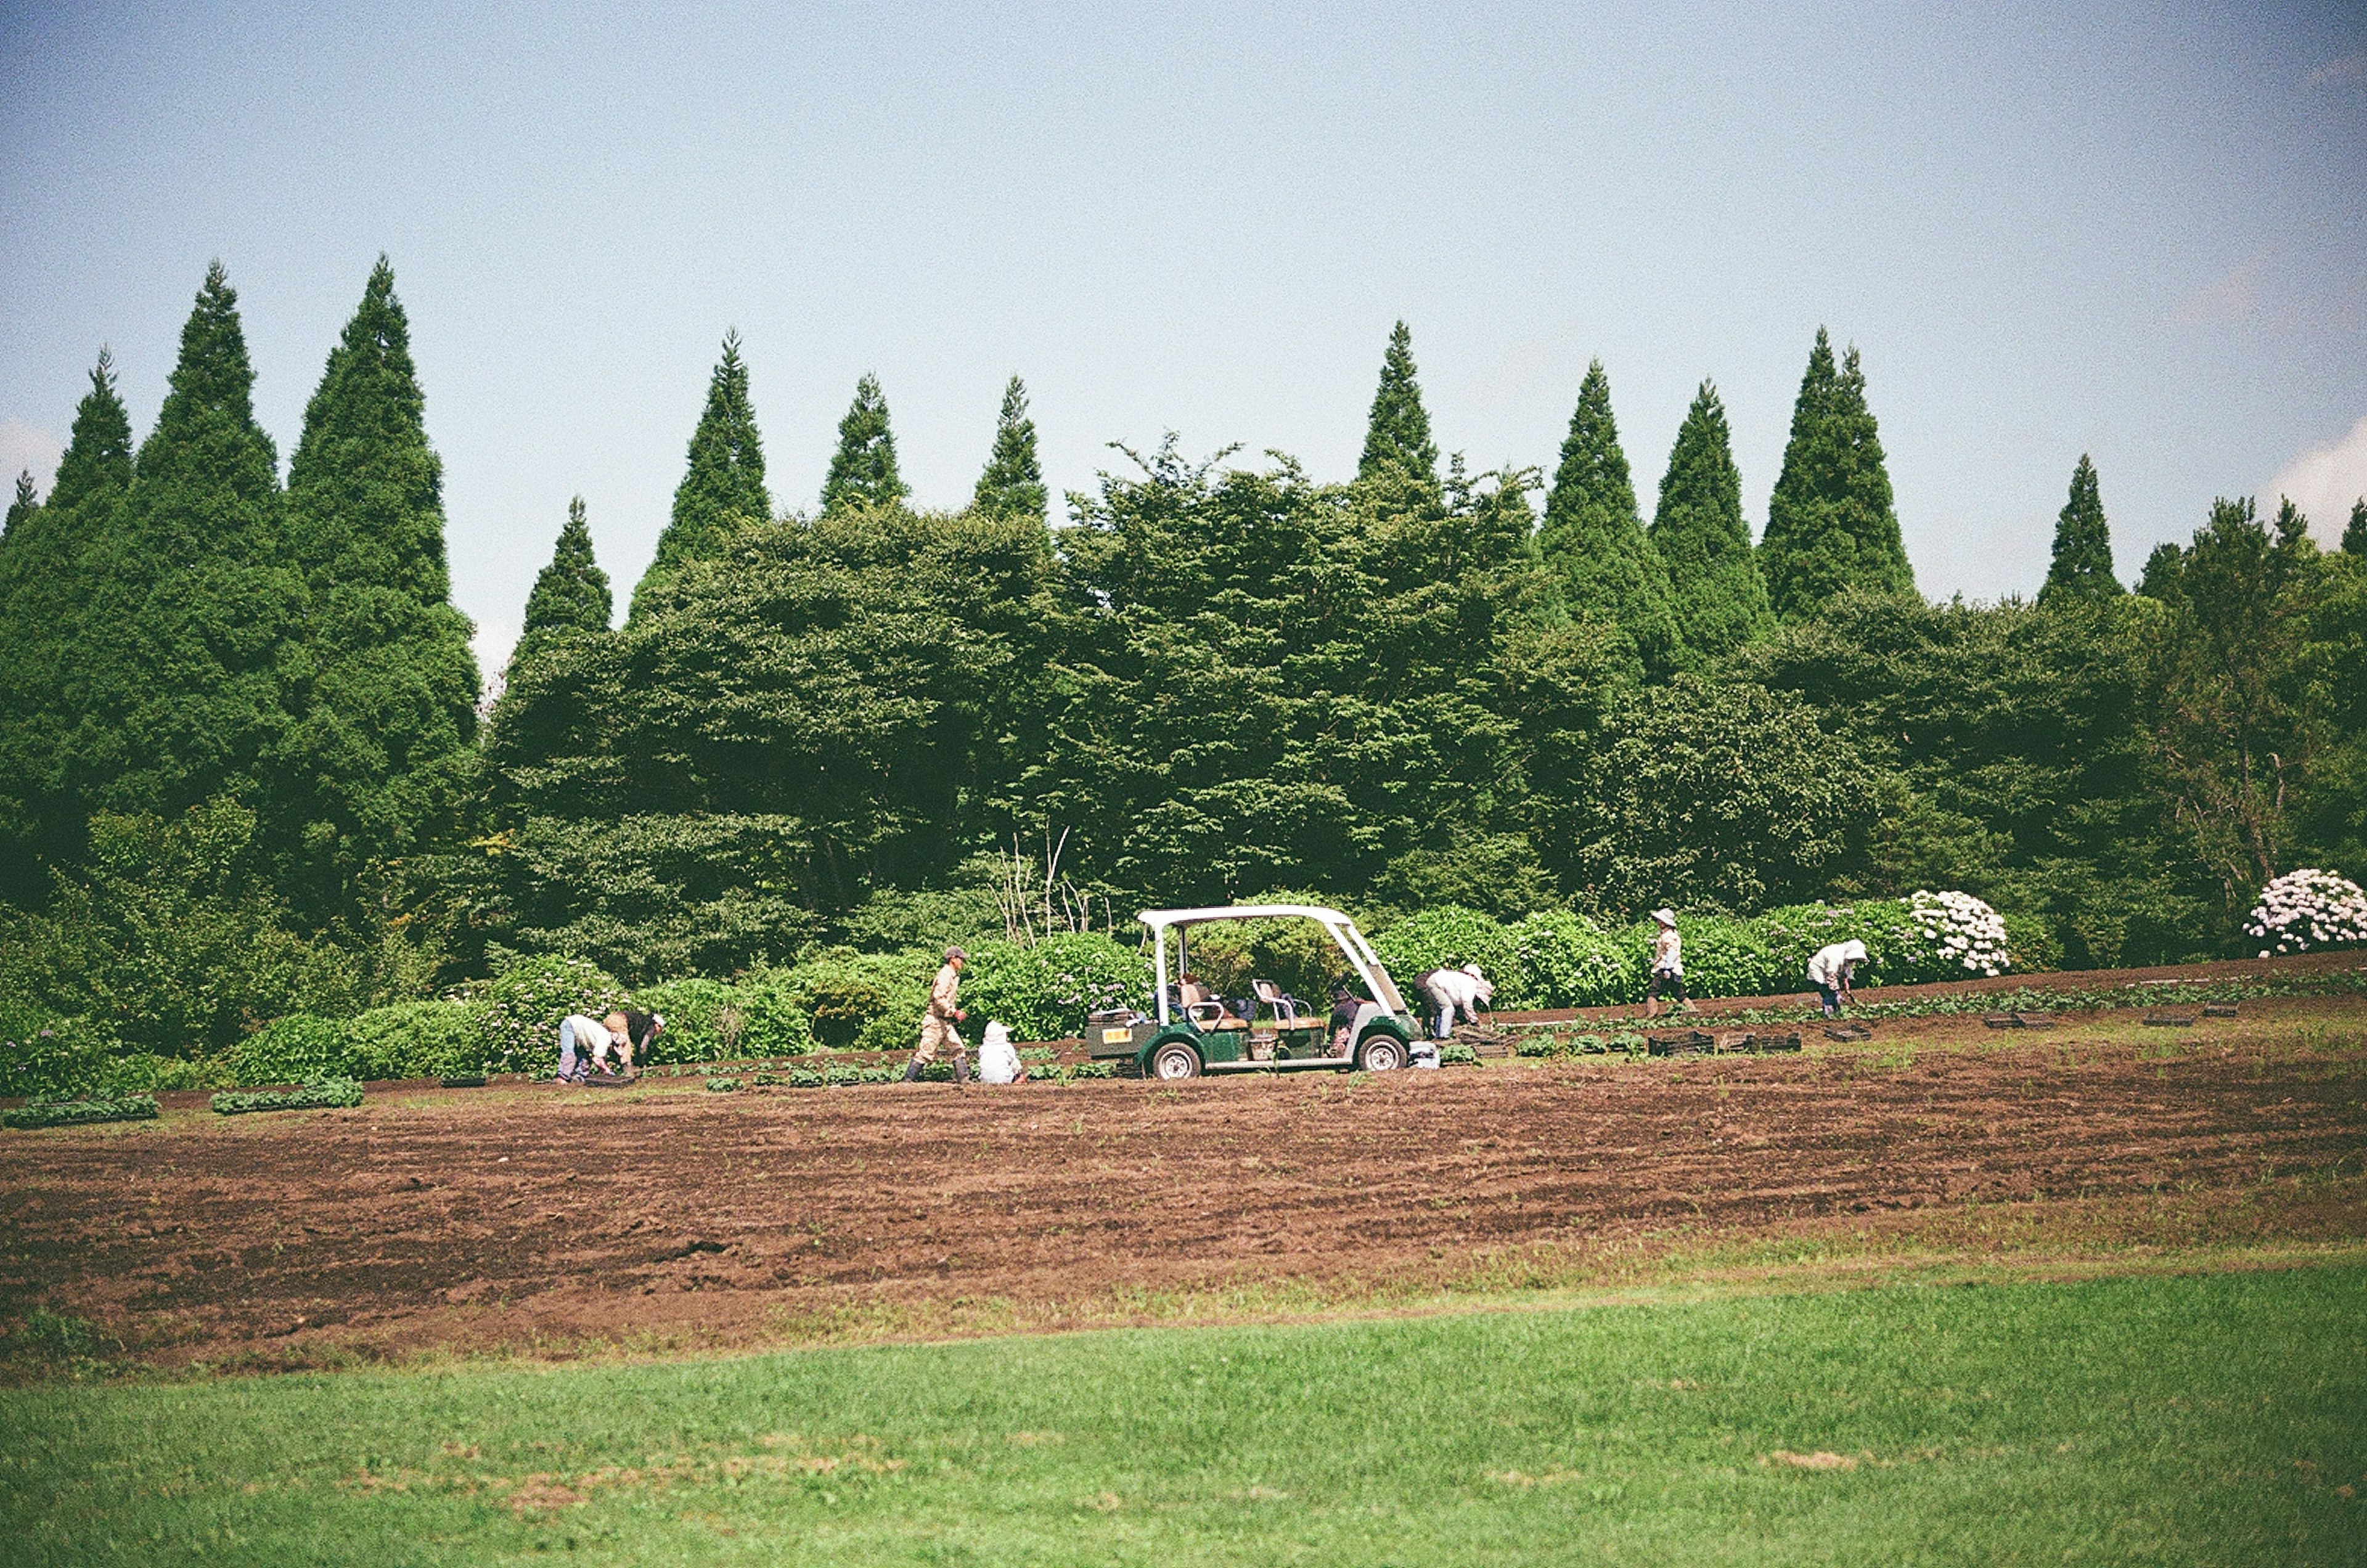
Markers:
547,1218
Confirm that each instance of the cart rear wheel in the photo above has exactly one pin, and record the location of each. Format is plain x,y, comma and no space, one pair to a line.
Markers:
1382,1054
1174,1060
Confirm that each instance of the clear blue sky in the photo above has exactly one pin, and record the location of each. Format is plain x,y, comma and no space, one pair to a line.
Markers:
2136,233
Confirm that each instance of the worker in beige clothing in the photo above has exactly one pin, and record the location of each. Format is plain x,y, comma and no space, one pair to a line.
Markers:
937,1030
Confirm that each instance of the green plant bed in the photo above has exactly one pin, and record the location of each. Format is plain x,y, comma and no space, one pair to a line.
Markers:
332,1095
82,1112
721,1086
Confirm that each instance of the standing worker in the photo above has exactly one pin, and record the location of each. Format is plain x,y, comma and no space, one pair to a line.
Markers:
1668,966
1830,970
937,1030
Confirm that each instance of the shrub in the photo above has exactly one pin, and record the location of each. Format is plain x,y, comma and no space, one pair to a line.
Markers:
869,1001
1960,931
1043,991
1723,956
329,1094
1446,937
2031,946
81,1113
413,1040
519,1011
1562,959
144,1072
299,1048
1932,936
705,1021
43,1056
2308,908
722,1086
771,1021
1296,953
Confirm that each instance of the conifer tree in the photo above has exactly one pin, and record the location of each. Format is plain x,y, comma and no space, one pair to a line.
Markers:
55,559
1398,430
862,470
180,688
371,763
1830,523
724,486
1713,583
1013,484
1594,540
571,595
2083,544
2354,536
27,501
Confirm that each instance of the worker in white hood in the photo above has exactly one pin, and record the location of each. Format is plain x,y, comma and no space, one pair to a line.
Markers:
1830,970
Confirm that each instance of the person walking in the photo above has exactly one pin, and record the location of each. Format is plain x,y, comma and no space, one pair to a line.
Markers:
937,1030
1830,970
1668,966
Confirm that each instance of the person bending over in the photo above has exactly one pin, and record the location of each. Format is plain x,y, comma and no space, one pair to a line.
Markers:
1832,969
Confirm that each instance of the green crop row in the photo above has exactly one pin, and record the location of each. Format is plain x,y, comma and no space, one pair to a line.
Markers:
80,1112
331,1094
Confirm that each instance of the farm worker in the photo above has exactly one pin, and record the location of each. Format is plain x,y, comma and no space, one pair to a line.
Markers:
998,1058
1830,970
1668,965
633,1033
937,1030
1453,991
584,1041
1348,1010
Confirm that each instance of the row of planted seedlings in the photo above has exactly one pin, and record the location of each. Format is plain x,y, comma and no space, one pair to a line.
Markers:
1044,1065
327,1094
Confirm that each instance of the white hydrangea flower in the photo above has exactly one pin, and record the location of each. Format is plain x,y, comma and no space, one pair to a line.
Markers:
2306,908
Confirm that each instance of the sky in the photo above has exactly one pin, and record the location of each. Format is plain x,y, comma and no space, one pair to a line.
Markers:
2136,233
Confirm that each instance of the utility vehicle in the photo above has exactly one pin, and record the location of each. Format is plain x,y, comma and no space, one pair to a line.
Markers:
1186,1035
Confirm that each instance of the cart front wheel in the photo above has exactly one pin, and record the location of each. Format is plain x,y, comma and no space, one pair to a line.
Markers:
1174,1060
1382,1054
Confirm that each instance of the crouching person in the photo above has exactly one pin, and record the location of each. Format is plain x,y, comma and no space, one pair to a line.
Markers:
937,1025
584,1041
998,1058
1455,992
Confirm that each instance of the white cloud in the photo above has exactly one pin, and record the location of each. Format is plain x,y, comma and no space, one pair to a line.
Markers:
24,447
2324,481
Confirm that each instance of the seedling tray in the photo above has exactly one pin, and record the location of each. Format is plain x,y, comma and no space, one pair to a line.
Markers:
1847,1032
2036,1020
463,1080
2003,1021
2169,1019
2218,1010
1684,1042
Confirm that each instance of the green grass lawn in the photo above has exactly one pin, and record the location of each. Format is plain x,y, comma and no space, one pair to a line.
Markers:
2209,1419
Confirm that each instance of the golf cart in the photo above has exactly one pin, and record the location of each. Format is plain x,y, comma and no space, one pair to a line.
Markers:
1189,1035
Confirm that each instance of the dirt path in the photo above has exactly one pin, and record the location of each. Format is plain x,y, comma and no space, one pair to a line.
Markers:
499,1217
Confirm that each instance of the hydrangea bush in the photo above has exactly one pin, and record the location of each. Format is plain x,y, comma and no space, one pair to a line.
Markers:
518,1011
2308,908
1564,960
1961,932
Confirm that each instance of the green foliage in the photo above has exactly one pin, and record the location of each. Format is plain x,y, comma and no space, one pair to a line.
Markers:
2032,942
1722,793
1715,588
717,1021
43,1056
82,1112
722,1086
519,1011
571,595
1594,540
1397,433
2082,567
27,502
1297,955
1723,956
862,470
411,1040
1446,937
865,1001
332,1094
1564,960
2355,533
1043,990
297,1049
383,716
1831,524
1013,484
724,487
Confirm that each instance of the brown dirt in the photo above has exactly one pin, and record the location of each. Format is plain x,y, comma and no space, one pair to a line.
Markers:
548,1219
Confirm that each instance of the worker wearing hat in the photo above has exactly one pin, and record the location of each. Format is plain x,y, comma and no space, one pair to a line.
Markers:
1668,965
937,1030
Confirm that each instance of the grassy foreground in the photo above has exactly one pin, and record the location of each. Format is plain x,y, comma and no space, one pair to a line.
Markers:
2217,1418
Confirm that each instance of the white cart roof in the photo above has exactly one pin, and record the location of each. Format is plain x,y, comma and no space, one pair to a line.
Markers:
1162,918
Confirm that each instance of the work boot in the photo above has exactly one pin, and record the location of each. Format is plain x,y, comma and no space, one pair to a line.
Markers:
912,1071
961,1072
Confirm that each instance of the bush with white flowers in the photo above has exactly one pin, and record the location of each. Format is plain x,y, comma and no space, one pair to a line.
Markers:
1965,932
2308,908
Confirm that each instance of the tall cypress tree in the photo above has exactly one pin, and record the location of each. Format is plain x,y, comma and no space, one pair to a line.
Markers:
1830,523
1013,484
54,557
862,470
1593,540
1713,583
181,690
27,501
1399,431
388,709
2083,544
571,595
2354,536
724,485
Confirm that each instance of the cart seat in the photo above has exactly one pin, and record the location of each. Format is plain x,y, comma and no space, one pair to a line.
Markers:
1285,1010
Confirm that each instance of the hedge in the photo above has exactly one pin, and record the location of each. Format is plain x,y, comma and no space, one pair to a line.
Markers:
81,1113
334,1094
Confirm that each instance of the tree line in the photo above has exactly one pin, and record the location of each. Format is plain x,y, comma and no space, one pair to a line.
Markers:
242,767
